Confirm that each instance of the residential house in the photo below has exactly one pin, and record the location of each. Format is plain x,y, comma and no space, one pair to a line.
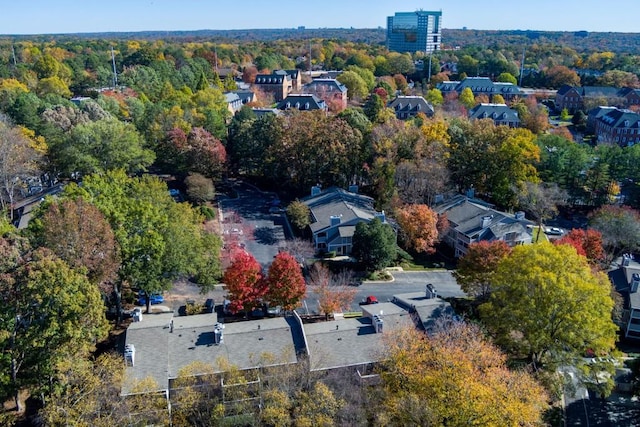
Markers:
296,79
620,127
481,86
575,98
472,220
334,215
331,91
246,96
259,112
626,280
278,83
407,107
630,95
499,113
302,102
234,103
594,114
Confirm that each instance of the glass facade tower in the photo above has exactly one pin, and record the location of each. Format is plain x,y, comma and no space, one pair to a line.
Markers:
418,31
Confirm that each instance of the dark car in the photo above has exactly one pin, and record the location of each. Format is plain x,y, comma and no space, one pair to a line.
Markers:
209,305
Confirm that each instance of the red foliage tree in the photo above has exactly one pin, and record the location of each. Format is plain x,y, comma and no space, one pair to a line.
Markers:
333,290
245,283
477,266
249,74
588,243
285,283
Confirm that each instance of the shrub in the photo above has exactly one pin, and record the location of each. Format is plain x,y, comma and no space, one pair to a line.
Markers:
208,212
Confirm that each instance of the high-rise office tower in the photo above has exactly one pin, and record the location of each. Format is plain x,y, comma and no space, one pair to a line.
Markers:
419,31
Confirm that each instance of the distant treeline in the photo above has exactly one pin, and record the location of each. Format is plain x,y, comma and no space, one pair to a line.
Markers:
581,41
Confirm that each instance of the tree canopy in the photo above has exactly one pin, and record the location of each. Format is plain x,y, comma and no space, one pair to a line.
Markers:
374,244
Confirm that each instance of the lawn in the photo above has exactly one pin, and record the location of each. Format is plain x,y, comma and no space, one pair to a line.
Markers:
539,236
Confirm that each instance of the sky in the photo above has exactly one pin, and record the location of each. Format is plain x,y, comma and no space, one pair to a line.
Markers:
81,16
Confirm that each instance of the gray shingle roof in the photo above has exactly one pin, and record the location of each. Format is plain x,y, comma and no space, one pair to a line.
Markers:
618,118
325,85
302,101
497,112
412,105
350,207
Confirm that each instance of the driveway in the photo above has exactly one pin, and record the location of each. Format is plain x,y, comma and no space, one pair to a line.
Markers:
262,233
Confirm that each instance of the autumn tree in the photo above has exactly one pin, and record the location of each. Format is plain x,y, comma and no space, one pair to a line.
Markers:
434,97
244,282
316,407
466,98
49,313
299,214
541,201
78,233
478,265
200,188
587,243
333,290
418,227
560,75
374,244
196,151
620,228
454,376
285,284
548,305
19,161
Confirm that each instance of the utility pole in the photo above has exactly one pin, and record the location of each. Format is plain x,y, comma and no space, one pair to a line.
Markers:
309,58
13,51
115,73
429,70
521,68
215,53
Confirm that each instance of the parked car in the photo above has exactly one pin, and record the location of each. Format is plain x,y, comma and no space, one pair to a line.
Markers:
209,305
553,231
153,299
369,300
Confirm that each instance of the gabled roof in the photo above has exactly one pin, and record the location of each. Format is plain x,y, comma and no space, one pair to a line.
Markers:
411,104
467,217
277,77
480,85
497,112
600,111
302,101
619,118
350,207
564,89
327,85
592,91
231,97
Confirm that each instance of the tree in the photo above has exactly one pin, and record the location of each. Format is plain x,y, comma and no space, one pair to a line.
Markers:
285,284
19,161
200,188
356,86
560,75
548,305
478,265
541,201
466,98
159,239
317,407
434,97
333,290
196,151
48,313
299,214
507,78
374,244
418,225
244,283
587,243
100,146
454,376
620,228
78,233
497,99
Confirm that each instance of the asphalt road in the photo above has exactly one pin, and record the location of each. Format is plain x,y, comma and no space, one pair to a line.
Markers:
404,282
262,232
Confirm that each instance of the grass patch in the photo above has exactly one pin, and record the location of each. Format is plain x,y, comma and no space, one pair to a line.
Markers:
383,276
538,237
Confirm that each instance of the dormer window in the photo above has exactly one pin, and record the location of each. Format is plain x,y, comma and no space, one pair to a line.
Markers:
298,105
485,115
288,105
626,123
306,106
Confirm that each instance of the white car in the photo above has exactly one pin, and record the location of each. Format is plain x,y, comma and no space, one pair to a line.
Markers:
554,231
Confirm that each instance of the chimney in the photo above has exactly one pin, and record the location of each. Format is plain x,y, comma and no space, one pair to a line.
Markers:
378,324
137,314
486,220
315,190
129,354
381,216
635,281
218,337
431,292
334,220
519,215
471,193
439,198
353,189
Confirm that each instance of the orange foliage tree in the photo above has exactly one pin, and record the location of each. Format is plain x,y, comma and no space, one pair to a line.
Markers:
454,376
418,225
333,291
285,282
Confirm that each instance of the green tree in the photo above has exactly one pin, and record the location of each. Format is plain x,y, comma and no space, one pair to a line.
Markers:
620,228
356,86
101,146
548,305
374,244
507,78
48,313
299,214
434,97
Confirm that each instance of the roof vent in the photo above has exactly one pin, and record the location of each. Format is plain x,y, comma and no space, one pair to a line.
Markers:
335,220
431,292
353,189
378,324
218,337
635,281
519,215
315,190
129,355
